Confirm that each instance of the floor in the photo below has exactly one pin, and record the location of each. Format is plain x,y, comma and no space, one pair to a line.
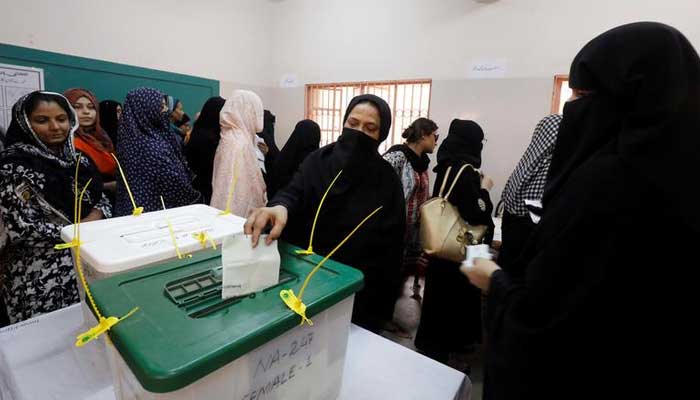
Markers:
407,315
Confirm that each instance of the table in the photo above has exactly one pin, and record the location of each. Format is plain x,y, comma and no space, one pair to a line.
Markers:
377,368
38,361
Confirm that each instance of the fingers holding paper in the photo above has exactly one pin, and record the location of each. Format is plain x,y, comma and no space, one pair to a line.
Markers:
480,272
259,220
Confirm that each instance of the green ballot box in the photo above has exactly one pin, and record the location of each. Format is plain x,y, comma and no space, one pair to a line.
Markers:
186,342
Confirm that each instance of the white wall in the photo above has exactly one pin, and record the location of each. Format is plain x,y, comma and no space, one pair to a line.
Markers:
224,40
333,40
338,41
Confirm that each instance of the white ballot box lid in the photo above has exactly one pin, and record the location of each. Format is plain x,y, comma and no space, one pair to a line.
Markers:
114,245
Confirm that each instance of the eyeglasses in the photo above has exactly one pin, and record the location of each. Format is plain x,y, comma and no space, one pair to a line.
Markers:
437,136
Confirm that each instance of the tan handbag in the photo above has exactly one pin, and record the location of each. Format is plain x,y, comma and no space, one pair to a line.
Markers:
443,232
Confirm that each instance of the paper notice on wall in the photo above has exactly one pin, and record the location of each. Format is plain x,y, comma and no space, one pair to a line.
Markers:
488,68
15,82
289,81
247,269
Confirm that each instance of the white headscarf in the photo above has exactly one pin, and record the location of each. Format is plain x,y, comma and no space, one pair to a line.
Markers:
240,118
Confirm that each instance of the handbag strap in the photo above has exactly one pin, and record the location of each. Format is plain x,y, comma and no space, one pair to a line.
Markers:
444,181
454,182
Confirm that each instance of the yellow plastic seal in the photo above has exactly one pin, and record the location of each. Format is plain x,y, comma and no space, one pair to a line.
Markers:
202,238
310,249
104,324
180,256
76,217
295,303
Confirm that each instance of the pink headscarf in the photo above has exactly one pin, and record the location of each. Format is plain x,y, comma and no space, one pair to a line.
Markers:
240,118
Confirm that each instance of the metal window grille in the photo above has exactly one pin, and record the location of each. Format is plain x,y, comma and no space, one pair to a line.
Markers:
408,100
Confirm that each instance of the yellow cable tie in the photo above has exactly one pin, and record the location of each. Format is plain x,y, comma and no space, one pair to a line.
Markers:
172,234
78,264
76,218
137,210
295,303
75,242
310,249
231,188
202,238
71,244
103,326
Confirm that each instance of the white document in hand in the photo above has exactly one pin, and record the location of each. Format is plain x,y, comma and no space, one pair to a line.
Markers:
477,251
247,269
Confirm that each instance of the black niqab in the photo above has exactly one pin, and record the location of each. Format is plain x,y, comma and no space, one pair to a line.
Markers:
646,96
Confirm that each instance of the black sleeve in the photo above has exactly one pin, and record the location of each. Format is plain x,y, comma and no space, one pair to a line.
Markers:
398,227
473,202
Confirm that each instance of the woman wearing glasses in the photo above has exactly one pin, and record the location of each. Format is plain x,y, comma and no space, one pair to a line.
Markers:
410,162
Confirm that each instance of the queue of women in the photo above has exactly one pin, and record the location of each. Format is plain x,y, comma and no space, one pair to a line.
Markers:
574,289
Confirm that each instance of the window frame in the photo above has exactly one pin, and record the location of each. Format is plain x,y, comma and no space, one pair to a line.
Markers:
559,80
365,87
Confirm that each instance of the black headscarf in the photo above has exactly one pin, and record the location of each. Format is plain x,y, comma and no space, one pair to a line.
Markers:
268,132
463,144
382,107
202,145
624,166
303,141
53,173
367,182
108,118
646,94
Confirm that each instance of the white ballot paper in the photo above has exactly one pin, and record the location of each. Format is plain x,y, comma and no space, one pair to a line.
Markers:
477,251
247,269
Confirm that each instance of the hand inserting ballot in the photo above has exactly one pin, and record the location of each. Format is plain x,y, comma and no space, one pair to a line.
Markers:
260,218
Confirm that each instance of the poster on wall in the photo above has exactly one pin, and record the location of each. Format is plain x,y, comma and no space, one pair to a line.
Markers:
15,82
